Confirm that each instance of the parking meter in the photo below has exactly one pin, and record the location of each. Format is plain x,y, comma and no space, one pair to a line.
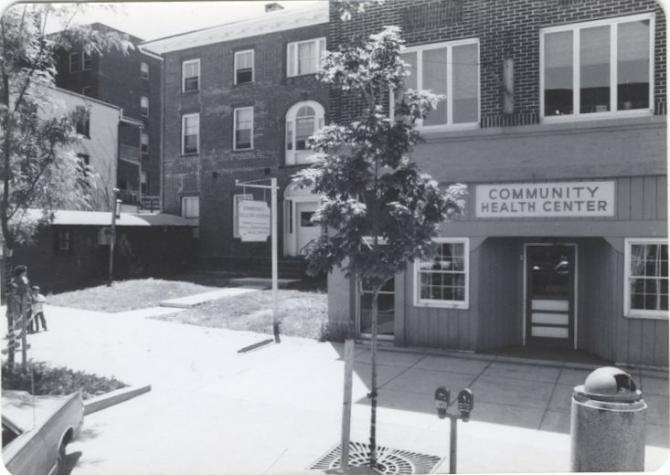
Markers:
441,401
465,403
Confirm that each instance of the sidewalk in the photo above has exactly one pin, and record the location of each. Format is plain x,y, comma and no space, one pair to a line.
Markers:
277,409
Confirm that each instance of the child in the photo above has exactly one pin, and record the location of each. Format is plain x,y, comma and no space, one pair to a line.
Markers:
38,309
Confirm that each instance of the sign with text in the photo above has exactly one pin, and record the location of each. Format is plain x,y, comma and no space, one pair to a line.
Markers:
253,220
545,200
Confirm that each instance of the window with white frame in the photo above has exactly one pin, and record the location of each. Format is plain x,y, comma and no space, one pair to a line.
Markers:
243,128
190,134
236,208
601,67
443,281
144,142
244,66
75,61
451,70
144,70
144,106
190,206
302,120
304,57
190,74
646,286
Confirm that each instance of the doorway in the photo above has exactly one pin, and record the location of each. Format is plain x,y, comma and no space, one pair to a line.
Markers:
550,295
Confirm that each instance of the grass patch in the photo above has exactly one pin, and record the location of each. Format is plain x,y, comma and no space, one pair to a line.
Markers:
56,381
302,314
127,294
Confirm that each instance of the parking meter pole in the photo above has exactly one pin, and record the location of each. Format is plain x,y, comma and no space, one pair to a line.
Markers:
112,242
275,317
346,405
453,442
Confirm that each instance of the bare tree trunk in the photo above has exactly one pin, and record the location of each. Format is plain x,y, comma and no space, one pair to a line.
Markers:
7,272
373,378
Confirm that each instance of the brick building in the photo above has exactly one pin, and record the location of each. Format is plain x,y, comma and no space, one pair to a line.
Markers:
131,82
240,100
555,119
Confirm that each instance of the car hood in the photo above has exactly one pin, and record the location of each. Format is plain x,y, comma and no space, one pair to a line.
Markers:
27,411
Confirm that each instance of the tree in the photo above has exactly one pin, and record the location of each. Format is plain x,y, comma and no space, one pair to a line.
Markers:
38,165
378,211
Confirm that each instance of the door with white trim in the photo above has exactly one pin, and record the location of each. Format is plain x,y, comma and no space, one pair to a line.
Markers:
550,295
307,231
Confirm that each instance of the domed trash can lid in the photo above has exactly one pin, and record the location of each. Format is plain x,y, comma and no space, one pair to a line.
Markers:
609,384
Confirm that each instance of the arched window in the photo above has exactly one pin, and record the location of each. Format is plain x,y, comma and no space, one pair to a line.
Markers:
302,120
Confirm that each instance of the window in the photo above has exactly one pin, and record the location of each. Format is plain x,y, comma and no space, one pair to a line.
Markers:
190,134
75,61
302,120
236,207
83,121
63,241
144,182
243,127
144,142
602,67
303,57
144,70
646,285
443,282
190,73
190,206
244,66
452,70
87,61
144,106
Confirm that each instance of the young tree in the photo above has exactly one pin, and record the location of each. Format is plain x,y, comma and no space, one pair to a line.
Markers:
379,212
38,165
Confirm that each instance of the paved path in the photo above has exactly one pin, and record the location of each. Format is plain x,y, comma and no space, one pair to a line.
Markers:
277,409
197,299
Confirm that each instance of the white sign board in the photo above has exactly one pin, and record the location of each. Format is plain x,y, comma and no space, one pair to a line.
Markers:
545,200
253,220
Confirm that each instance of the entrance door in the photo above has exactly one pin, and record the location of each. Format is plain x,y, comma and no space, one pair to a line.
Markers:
550,299
385,306
306,230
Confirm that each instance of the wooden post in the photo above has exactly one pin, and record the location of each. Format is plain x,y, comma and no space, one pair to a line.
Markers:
112,242
346,404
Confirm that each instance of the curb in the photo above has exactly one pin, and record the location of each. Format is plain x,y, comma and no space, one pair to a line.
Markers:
112,398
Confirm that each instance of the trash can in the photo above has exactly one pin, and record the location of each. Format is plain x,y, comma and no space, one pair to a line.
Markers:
607,423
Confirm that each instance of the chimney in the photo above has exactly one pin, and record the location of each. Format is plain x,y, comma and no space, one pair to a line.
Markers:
273,7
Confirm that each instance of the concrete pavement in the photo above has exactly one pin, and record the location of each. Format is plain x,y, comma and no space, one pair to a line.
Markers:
277,409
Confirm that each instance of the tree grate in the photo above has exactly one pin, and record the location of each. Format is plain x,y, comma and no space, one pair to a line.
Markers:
389,461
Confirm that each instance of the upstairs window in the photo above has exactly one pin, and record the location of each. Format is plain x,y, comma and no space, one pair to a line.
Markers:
75,61
190,206
144,106
144,70
302,120
646,285
190,73
144,143
243,127
452,70
86,61
190,134
303,57
244,66
597,68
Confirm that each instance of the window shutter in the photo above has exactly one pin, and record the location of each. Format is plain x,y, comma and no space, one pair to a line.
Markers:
290,60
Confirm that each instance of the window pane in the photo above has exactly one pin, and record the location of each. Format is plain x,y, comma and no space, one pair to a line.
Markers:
289,135
435,80
466,84
633,65
594,53
558,87
307,58
304,127
244,60
410,81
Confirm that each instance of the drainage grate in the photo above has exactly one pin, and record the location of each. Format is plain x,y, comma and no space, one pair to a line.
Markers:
389,461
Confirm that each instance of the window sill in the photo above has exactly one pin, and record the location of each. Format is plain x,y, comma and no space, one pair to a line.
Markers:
597,116
189,155
243,84
301,75
647,314
243,149
190,93
444,304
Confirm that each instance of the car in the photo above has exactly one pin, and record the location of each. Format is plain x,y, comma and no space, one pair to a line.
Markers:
37,429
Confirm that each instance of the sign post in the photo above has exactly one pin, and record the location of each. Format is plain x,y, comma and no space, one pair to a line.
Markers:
255,223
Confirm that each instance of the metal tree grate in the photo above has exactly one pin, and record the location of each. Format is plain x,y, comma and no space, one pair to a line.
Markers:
389,461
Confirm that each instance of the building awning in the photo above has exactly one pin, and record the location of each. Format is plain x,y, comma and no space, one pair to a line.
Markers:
104,218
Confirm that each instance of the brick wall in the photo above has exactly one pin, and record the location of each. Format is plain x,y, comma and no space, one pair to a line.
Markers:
506,29
212,173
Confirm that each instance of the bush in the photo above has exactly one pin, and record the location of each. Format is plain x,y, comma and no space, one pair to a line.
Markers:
42,380
336,331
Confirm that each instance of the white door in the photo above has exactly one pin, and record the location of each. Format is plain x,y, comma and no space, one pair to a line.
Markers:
306,230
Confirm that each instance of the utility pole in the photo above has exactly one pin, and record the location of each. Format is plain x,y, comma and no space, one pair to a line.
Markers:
115,207
275,285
